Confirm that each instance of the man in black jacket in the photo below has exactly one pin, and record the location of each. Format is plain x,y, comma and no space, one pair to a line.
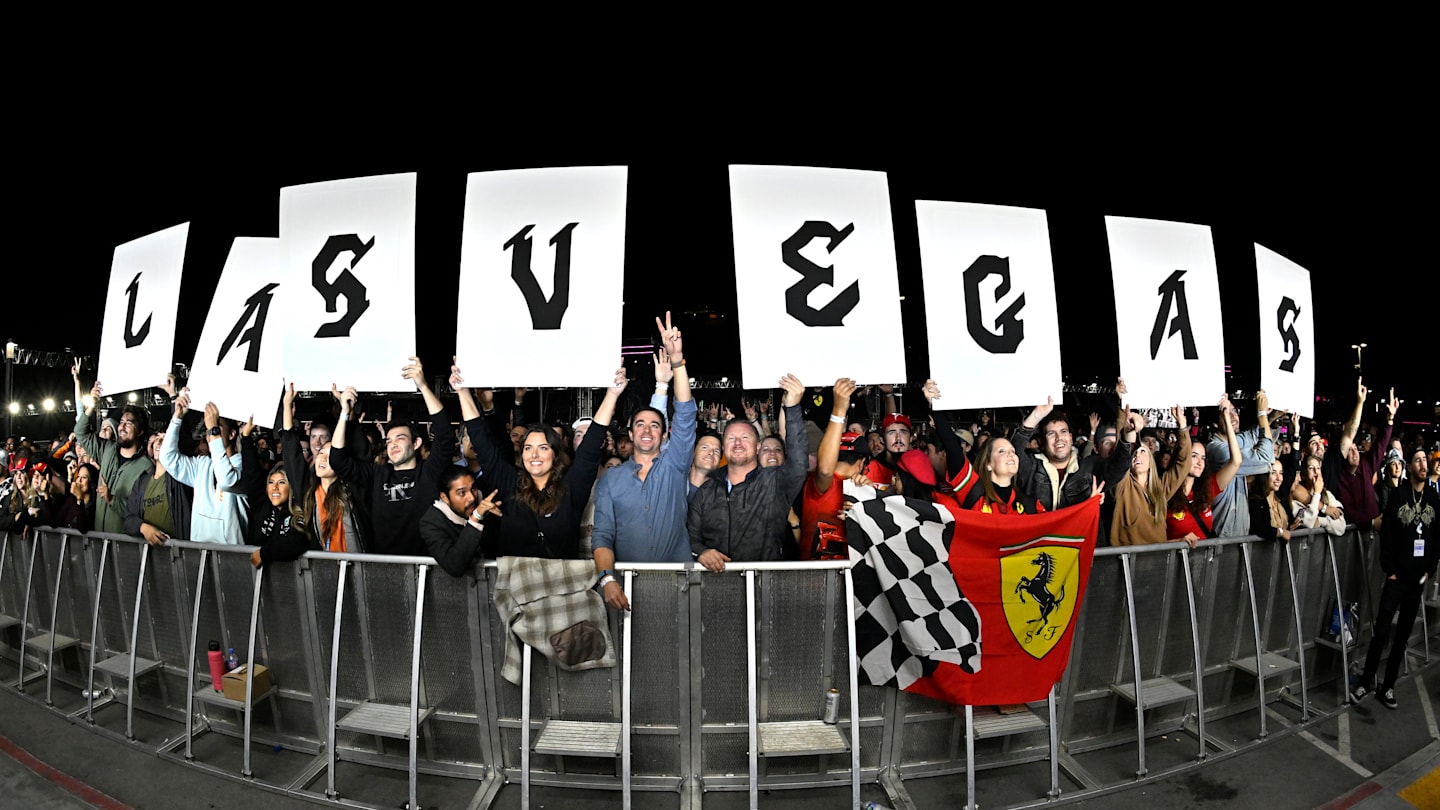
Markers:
742,514
1059,476
1409,549
452,527
403,487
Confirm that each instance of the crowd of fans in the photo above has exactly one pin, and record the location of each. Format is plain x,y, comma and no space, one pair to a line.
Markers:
675,480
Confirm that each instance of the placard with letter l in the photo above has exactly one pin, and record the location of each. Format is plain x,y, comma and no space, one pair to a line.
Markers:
989,304
1287,332
137,339
350,248
1167,311
542,277
815,275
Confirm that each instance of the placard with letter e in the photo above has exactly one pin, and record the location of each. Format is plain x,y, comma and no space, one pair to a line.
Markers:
989,304
1287,332
1167,311
239,364
815,276
542,277
350,258
137,338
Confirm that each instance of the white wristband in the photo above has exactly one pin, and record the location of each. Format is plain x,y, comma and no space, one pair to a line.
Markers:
839,420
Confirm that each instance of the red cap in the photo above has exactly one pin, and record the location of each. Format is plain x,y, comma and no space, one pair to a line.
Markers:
917,463
891,419
847,441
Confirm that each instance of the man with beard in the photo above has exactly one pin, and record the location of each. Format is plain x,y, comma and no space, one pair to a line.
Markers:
122,460
742,514
1231,507
896,430
1409,549
403,487
641,506
452,529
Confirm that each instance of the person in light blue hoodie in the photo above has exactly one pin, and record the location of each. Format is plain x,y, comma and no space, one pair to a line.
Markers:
220,508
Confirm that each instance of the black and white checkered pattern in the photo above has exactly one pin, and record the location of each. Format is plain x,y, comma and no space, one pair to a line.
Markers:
910,613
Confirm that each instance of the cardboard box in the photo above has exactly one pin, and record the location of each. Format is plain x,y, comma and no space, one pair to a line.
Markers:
233,684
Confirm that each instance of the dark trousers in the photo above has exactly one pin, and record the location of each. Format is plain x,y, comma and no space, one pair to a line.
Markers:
1395,596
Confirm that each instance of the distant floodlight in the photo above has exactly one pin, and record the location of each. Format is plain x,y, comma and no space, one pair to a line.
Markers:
14,408
48,404
132,397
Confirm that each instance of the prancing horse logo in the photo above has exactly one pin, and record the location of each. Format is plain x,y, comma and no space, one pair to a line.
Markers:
1039,586
1039,589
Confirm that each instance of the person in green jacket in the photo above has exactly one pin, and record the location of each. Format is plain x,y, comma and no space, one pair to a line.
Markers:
123,459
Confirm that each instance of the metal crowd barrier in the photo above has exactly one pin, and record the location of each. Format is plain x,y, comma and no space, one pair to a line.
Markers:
721,682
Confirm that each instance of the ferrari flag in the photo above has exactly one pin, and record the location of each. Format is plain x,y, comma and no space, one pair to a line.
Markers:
969,608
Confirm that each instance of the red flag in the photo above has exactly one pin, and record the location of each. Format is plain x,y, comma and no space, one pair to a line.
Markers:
1004,636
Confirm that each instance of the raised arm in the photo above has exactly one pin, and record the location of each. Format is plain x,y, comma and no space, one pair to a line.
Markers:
226,471
1352,425
955,460
797,450
829,454
182,468
1231,468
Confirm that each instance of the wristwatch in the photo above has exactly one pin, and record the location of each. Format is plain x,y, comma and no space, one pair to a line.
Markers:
214,431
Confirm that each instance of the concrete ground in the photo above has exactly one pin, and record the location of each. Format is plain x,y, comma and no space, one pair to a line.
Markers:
1363,757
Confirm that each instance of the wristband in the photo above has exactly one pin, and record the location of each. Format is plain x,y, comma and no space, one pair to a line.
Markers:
605,580
839,420
677,364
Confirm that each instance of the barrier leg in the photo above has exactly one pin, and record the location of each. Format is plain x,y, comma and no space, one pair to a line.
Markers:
95,634
1135,655
335,679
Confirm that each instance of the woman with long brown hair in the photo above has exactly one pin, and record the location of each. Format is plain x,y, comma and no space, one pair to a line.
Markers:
1143,494
998,463
329,509
543,494
1270,517
1188,516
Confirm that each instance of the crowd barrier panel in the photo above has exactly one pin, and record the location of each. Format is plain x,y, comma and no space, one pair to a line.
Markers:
720,684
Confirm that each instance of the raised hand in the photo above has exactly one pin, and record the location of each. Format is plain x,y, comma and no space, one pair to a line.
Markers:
248,428
182,403
489,506
168,387
1179,414
1392,404
931,390
794,390
670,338
618,387
1120,389
844,389
457,380
751,414
75,370
1041,411
287,398
414,371
212,415
1094,423
663,372
1262,403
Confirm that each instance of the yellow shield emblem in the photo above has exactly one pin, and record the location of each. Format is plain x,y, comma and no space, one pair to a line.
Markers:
1039,585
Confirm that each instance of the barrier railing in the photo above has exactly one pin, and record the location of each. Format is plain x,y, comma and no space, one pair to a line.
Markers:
721,684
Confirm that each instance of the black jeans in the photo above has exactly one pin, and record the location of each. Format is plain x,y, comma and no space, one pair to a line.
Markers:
1395,596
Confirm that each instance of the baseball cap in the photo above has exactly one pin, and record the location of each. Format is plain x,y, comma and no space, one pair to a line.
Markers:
891,419
847,441
917,463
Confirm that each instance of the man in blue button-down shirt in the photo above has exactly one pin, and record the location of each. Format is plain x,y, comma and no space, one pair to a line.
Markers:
640,506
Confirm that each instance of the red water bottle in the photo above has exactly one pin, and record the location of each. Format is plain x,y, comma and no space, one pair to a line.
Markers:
217,665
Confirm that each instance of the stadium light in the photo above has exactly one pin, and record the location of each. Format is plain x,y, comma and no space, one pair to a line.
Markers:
48,404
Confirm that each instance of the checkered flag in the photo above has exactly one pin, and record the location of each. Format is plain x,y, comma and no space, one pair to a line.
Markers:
910,613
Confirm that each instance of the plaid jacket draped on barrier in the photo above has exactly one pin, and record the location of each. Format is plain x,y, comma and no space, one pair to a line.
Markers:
552,606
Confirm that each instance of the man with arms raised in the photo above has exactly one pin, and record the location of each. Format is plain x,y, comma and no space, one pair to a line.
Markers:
1231,507
122,460
742,515
822,534
403,487
1059,476
640,506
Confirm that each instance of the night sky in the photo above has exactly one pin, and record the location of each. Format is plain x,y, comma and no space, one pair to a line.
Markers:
1327,216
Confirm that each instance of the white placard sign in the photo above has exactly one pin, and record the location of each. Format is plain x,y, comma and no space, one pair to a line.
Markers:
350,260
239,364
1287,332
815,276
989,304
1167,308
542,272
137,340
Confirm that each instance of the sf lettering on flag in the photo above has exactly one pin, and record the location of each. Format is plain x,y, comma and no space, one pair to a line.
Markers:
1167,306
1287,332
996,260
542,263
137,338
815,273
349,312
997,627
239,364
